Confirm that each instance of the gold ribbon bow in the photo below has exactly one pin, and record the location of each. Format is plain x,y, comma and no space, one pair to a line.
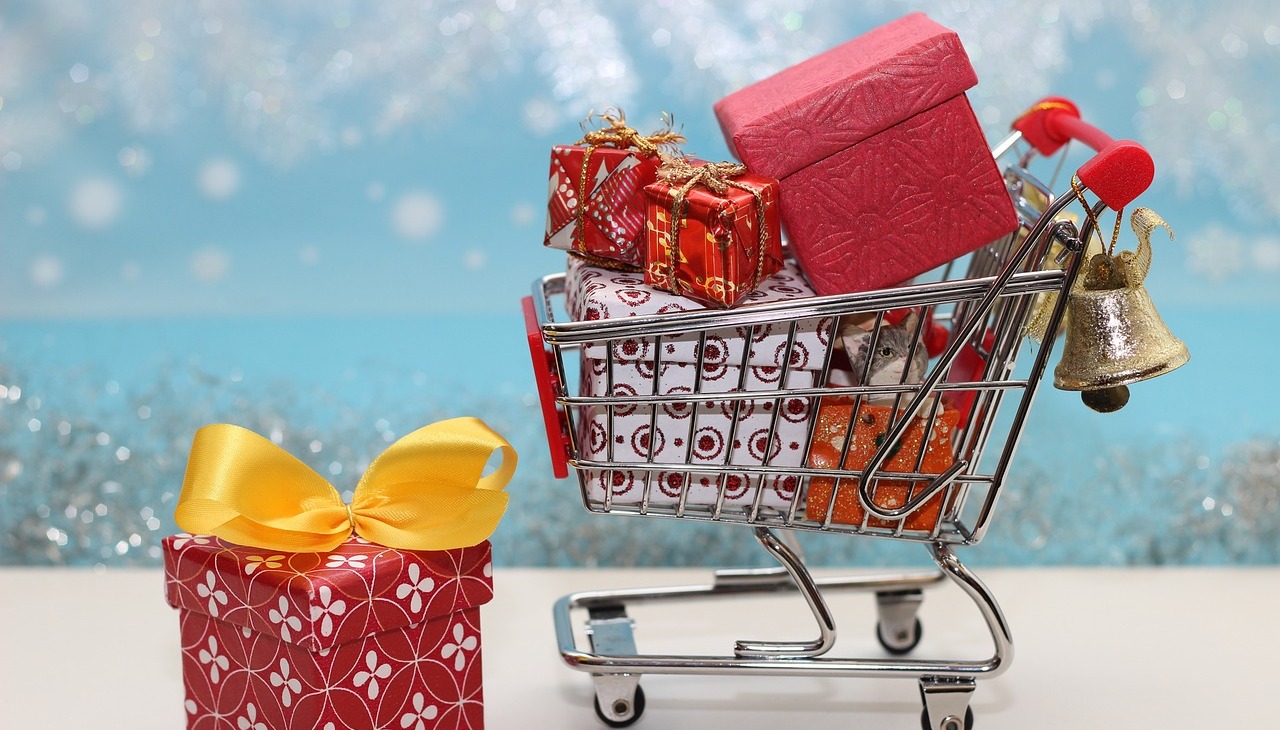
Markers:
1127,269
716,177
1103,269
618,134
425,492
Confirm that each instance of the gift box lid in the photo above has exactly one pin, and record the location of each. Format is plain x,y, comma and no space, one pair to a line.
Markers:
821,106
320,600
593,293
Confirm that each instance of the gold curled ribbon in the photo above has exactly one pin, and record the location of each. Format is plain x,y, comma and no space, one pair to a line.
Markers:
1131,267
1103,270
427,491
715,176
616,134
718,178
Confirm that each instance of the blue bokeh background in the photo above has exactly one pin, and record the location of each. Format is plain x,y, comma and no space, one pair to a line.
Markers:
318,218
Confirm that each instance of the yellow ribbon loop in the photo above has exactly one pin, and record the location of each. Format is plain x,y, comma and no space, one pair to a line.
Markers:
427,491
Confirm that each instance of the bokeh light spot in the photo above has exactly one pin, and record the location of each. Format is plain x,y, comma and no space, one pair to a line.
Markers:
475,259
523,214
1266,255
95,202
210,265
218,178
46,271
417,215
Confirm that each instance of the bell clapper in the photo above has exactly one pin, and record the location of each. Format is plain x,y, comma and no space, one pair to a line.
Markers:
1106,400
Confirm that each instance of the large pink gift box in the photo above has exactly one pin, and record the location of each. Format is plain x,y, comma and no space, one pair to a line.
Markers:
884,171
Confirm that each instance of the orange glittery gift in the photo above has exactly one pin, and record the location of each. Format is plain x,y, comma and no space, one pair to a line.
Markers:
870,427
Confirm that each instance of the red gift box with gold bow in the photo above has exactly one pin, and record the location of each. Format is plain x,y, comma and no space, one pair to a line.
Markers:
711,231
595,201
314,625
361,636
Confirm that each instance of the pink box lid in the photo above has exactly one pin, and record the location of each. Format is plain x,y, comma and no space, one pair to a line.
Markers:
320,600
818,107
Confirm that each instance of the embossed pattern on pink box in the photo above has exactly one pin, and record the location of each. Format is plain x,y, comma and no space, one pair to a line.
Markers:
362,637
883,169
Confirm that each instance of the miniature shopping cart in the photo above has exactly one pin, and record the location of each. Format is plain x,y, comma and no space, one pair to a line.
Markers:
916,461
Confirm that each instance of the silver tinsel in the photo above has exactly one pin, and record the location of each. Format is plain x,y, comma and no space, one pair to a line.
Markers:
95,483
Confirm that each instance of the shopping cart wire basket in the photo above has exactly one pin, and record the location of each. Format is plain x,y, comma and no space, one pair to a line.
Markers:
919,458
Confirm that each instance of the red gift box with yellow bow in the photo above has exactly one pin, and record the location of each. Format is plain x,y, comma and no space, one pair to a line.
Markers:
345,633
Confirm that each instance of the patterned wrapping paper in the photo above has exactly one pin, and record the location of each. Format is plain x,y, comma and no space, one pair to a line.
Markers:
613,181
884,171
593,293
721,252
362,637
869,428
712,432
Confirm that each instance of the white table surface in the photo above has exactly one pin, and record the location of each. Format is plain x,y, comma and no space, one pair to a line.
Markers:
1114,648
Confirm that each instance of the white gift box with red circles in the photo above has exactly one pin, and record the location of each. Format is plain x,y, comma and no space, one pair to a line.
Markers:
660,438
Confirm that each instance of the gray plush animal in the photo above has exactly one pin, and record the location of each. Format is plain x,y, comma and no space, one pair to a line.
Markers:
893,352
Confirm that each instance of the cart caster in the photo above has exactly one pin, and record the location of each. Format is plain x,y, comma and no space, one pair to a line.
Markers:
619,701
898,629
901,641
622,712
946,701
949,723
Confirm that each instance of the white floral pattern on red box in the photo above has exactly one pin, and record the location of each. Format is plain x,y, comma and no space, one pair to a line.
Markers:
361,637
710,432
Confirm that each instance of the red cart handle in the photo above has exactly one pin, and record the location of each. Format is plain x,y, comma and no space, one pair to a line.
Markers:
1119,172
548,384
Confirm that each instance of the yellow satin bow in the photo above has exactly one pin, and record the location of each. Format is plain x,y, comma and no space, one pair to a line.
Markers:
425,492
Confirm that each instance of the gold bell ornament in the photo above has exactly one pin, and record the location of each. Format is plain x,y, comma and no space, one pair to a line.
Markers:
1114,335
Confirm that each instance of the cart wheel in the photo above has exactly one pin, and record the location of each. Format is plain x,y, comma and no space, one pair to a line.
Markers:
898,625
630,712
968,721
903,641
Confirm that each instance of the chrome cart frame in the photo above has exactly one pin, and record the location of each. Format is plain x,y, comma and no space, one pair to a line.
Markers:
984,300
